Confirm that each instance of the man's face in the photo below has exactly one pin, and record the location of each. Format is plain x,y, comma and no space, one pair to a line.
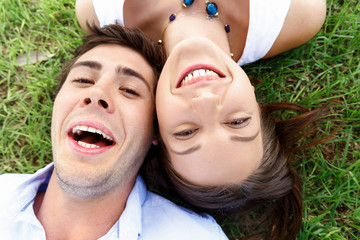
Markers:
102,123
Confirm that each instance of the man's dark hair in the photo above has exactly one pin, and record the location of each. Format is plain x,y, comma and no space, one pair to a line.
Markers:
116,34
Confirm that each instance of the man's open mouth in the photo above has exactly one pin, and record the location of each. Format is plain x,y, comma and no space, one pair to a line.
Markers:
90,137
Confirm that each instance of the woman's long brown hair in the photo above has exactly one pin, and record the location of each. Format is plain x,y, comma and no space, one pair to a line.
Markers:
273,193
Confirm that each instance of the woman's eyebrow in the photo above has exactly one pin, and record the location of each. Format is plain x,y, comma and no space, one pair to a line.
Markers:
187,151
233,138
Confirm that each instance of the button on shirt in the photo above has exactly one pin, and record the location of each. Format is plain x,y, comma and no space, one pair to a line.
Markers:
146,215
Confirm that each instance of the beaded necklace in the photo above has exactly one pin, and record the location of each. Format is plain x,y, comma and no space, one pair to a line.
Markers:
211,13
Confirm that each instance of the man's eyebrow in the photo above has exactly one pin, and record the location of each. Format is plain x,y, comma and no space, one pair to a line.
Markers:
244,139
90,64
119,70
132,73
187,151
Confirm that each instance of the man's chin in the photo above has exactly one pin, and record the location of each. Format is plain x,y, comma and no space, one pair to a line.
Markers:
80,184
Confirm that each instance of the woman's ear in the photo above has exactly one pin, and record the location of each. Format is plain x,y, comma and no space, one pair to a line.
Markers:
155,142
156,136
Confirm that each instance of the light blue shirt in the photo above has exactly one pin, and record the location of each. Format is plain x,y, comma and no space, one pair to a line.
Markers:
146,215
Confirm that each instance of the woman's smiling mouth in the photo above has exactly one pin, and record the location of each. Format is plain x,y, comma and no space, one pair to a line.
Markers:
199,73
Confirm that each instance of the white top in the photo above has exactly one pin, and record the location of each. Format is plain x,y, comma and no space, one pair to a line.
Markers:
146,215
266,21
267,18
109,11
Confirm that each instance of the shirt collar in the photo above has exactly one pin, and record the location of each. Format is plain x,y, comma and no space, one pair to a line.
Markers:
26,193
128,227
130,222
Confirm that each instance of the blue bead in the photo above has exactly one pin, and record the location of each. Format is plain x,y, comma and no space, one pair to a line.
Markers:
188,2
211,9
227,28
172,17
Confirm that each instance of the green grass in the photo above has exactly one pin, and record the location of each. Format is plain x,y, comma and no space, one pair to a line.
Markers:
325,70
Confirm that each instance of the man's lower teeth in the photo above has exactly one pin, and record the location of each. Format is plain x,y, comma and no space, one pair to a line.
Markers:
87,145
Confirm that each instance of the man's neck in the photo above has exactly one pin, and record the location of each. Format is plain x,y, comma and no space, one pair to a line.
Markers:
67,217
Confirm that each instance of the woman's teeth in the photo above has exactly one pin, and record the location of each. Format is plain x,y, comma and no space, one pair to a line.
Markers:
198,73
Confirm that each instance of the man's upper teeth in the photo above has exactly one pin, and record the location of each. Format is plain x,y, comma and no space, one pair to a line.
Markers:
79,129
197,73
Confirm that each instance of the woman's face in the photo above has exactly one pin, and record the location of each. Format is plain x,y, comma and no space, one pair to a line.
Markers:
208,116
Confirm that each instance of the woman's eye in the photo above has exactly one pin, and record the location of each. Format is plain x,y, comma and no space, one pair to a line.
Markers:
183,135
238,123
83,80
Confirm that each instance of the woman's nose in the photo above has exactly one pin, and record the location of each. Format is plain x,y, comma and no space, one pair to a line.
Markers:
207,104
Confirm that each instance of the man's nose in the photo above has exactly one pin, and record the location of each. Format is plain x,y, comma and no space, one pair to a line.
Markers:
100,102
97,97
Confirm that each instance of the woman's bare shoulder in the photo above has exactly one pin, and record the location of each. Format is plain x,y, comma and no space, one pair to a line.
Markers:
304,19
85,12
